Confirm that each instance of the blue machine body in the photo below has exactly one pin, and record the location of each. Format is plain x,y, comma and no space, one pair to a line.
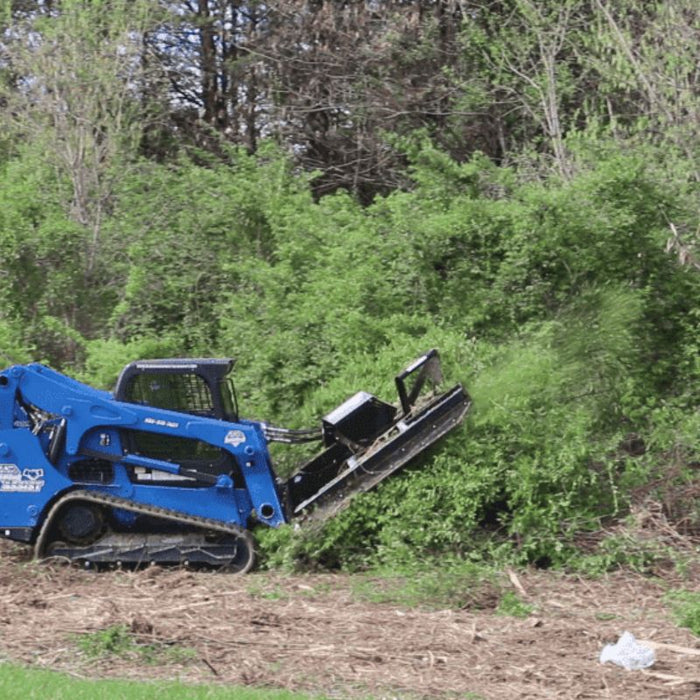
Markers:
35,471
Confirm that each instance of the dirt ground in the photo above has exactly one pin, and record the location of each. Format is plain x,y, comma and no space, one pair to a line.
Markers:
316,633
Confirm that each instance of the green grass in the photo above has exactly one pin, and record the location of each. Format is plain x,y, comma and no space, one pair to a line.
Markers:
512,606
462,586
686,609
19,683
118,640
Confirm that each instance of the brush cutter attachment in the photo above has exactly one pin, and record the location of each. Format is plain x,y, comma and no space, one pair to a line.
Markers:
366,440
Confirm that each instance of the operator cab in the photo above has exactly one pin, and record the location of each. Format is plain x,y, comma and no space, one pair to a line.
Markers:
201,387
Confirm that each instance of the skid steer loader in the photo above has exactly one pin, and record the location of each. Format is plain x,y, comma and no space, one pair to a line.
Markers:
164,470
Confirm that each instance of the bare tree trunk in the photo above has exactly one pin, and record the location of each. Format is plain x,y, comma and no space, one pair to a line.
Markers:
251,125
230,83
208,61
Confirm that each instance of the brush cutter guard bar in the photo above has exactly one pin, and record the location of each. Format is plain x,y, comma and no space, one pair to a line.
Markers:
425,368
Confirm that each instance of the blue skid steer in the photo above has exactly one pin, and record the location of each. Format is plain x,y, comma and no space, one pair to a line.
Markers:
164,470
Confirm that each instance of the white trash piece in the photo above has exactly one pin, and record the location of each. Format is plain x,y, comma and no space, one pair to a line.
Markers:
628,653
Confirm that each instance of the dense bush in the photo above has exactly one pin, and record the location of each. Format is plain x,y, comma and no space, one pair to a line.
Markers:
554,301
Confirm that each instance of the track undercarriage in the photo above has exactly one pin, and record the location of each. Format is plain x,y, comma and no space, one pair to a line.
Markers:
81,527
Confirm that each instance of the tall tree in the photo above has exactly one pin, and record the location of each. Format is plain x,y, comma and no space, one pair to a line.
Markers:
327,79
74,102
212,82
350,73
647,60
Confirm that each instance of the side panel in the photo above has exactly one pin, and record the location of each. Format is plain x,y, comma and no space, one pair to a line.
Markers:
28,483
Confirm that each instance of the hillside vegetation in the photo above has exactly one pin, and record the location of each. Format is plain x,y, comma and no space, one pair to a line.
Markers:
542,232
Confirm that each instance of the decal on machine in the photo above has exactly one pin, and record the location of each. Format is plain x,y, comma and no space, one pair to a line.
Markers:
16,480
160,422
234,437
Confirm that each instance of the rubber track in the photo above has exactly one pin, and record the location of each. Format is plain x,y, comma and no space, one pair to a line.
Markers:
141,509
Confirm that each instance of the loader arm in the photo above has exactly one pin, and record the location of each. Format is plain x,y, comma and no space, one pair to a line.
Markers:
72,484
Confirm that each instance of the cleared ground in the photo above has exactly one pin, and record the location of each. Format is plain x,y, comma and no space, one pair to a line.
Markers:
321,633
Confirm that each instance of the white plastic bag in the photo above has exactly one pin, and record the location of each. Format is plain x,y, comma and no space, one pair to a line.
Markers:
628,653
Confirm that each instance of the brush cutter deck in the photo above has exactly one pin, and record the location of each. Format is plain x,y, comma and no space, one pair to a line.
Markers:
366,442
